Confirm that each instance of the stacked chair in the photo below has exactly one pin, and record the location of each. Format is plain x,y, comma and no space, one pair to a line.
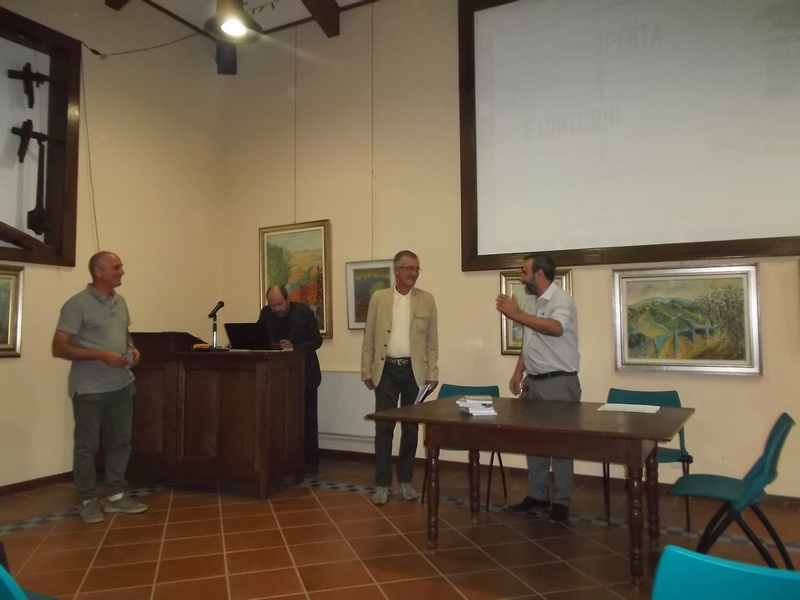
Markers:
10,590
737,495
686,575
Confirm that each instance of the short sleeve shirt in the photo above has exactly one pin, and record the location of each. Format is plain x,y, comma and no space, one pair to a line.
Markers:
547,353
96,323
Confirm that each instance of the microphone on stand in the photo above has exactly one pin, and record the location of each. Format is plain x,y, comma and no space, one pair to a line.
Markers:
213,315
214,311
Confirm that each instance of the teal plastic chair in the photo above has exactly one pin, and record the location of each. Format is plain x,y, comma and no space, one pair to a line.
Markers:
691,576
447,390
739,494
10,590
665,455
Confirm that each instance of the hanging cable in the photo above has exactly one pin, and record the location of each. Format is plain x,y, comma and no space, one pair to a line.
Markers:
258,9
108,54
295,124
89,157
372,118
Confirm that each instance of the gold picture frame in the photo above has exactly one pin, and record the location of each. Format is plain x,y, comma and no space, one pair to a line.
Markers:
511,285
298,256
10,311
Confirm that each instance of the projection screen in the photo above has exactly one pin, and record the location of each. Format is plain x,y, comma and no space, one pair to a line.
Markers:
609,131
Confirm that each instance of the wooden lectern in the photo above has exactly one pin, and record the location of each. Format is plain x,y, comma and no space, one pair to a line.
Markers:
216,415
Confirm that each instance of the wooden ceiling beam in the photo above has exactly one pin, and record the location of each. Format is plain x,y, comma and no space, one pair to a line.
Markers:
116,4
326,14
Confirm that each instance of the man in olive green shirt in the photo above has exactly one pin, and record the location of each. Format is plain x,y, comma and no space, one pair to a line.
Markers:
92,332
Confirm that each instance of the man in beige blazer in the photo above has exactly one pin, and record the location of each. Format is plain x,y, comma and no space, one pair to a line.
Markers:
400,353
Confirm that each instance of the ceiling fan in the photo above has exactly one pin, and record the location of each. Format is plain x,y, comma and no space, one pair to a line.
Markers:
231,25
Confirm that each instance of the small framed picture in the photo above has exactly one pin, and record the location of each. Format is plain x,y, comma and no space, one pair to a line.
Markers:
700,319
364,279
512,285
10,310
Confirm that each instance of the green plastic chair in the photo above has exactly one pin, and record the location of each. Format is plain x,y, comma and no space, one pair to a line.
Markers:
691,576
10,590
447,390
739,494
665,455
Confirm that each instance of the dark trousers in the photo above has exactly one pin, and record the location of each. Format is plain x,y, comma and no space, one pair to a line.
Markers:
556,389
395,382
113,411
311,431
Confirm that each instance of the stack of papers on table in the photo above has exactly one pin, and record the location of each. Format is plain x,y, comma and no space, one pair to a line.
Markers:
477,406
641,408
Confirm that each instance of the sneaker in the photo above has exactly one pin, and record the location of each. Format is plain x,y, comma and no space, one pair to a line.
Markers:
381,496
407,492
529,505
124,505
91,513
559,513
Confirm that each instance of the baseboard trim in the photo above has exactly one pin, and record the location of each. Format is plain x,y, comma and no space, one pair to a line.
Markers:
590,480
32,484
594,481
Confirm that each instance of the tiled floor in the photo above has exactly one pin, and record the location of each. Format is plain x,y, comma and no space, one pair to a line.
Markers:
320,543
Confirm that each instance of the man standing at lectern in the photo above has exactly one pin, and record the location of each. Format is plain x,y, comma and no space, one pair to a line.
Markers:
294,326
549,363
400,353
92,332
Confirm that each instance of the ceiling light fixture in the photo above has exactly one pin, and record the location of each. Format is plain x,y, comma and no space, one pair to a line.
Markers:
232,24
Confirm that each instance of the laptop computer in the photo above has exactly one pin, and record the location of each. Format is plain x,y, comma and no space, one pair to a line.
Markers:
248,336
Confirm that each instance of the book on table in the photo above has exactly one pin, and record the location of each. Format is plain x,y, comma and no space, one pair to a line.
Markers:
640,408
477,406
424,390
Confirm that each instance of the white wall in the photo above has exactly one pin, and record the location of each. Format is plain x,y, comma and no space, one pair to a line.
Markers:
361,129
376,151
154,135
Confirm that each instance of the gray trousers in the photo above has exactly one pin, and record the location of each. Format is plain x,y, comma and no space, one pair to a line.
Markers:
395,382
566,389
114,412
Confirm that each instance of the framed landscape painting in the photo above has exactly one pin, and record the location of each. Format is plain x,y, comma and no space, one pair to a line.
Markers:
512,285
364,278
701,319
10,310
298,256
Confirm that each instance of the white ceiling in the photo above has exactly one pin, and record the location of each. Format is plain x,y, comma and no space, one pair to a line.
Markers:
274,13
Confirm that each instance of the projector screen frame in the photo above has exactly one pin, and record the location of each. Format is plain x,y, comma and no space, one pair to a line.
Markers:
616,255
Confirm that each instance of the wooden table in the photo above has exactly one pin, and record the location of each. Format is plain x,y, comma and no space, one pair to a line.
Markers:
563,429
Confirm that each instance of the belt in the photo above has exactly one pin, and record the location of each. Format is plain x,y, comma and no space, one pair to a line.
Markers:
553,374
400,362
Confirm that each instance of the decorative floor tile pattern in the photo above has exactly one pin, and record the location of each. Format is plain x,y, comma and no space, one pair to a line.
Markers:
324,540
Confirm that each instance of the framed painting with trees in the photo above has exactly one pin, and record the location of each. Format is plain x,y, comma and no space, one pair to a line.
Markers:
701,319
298,256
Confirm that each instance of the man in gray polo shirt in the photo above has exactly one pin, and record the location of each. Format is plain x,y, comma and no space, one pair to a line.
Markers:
92,332
549,363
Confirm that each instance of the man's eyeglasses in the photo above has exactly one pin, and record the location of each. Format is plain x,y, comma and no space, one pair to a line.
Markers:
411,269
